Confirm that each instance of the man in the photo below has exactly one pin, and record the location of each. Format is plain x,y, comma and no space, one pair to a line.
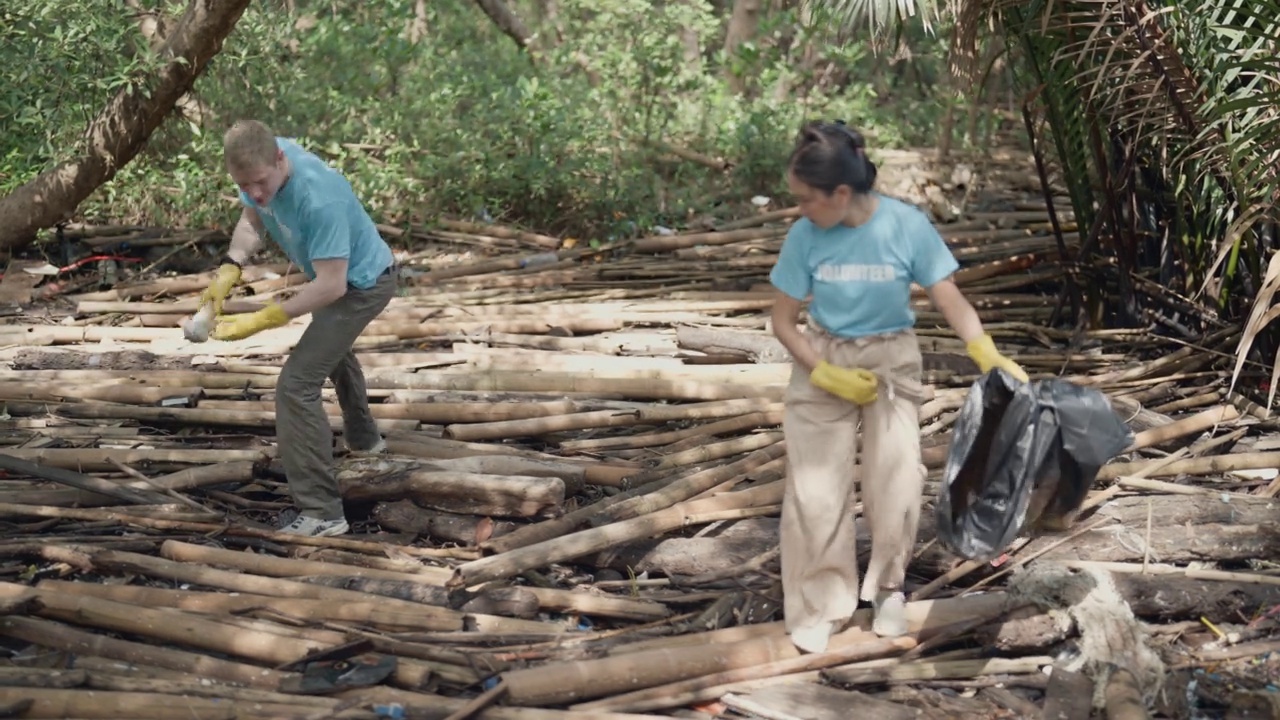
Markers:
310,210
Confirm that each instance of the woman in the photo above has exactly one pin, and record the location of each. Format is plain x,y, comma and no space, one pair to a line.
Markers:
855,254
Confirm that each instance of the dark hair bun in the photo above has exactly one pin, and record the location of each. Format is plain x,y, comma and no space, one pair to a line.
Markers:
830,154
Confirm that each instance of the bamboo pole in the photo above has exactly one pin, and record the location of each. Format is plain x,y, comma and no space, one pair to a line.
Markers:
1201,421
100,459
435,413
936,670
708,688
581,543
618,506
632,388
605,418
750,421
109,705
122,393
57,636
13,462
1212,464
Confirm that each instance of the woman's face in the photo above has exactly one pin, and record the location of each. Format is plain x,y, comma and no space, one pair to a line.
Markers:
822,209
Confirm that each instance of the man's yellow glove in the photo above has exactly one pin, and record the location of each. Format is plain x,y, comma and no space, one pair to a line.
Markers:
984,353
227,277
238,327
855,385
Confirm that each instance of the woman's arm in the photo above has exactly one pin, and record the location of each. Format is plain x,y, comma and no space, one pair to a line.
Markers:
786,320
964,320
953,305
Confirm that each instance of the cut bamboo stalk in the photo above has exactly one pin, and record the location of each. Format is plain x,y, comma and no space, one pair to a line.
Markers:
604,418
108,705
13,462
168,625
659,661
110,516
1201,421
435,413
718,450
927,670
99,459
260,564
122,393
1212,464
640,389
187,416
707,688
61,637
179,285
769,418
445,619
370,612
196,688
618,506
587,541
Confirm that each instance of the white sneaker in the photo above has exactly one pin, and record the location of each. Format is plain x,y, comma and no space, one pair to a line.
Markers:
891,614
812,639
315,527
377,449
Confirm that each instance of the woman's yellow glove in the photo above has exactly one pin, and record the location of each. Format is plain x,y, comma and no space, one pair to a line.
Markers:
238,327
227,277
855,385
984,353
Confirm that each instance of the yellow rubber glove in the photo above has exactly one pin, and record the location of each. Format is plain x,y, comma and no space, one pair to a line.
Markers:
227,277
984,353
238,327
855,385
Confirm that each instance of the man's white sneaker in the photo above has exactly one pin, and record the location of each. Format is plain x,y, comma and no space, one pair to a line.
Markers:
812,639
891,614
377,449
315,527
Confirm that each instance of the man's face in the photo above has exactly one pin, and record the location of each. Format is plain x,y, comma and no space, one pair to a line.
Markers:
260,182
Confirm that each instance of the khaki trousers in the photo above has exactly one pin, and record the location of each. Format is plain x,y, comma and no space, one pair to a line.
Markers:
818,558
303,433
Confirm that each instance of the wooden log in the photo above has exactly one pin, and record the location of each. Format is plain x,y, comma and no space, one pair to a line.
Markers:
1069,695
371,612
758,347
435,413
618,507
929,670
659,661
468,530
121,393
631,388
695,433
459,492
106,705
57,636
693,556
581,543
163,567
13,462
1190,527
262,564
181,284
1123,698
100,459
188,416
605,418
1201,421
168,625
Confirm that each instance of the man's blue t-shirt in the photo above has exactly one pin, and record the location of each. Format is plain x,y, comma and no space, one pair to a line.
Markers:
860,277
317,216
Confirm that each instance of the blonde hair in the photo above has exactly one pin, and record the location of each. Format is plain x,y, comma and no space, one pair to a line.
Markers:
249,144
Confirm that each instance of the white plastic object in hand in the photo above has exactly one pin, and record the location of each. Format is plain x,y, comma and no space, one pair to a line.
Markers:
197,327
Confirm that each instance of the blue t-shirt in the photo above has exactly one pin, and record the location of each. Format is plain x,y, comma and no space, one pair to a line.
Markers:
317,216
860,277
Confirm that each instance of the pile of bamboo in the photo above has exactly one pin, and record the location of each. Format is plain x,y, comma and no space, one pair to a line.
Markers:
577,516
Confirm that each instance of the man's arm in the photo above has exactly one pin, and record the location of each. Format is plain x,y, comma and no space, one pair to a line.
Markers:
246,238
329,284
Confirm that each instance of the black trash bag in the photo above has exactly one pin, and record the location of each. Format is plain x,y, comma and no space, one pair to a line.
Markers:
1022,455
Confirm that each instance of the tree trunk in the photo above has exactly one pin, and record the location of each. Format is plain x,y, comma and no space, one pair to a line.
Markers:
508,22
118,133
742,28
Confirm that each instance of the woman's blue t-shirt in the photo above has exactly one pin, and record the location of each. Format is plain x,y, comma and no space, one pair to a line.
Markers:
860,277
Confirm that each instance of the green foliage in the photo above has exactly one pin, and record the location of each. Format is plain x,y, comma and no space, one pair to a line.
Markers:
462,121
